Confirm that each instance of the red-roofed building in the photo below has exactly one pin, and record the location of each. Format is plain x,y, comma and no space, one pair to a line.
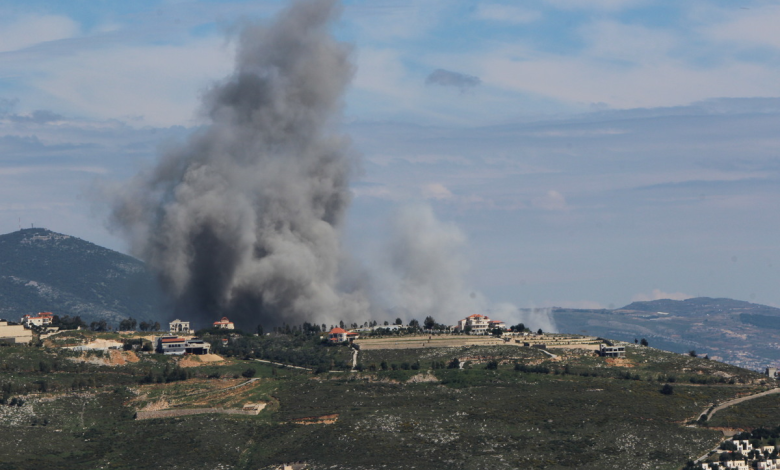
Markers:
224,323
337,335
43,318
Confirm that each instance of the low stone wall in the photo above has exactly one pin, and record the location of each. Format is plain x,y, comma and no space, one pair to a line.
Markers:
192,411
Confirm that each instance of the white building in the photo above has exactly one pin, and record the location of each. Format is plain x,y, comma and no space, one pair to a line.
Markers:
736,464
178,326
768,464
744,446
176,346
479,324
224,323
42,319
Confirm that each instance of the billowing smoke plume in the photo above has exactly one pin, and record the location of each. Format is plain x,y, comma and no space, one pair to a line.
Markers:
425,272
244,219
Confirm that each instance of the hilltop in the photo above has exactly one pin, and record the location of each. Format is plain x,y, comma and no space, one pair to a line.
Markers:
41,270
740,333
499,406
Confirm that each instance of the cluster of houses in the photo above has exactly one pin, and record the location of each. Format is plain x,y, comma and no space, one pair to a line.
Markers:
745,457
475,324
178,345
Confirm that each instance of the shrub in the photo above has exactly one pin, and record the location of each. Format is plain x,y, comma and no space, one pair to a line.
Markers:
667,389
249,373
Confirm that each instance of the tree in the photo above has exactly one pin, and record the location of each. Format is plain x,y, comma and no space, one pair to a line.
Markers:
492,365
260,330
67,322
429,322
540,332
143,326
127,324
414,324
667,389
467,330
518,328
387,323
497,332
98,326
156,326
454,364
398,321
692,353
636,341
644,342
249,373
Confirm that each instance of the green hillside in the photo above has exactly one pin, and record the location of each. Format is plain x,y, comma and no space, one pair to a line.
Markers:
508,407
41,270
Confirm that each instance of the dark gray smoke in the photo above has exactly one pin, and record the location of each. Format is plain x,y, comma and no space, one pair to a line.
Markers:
244,219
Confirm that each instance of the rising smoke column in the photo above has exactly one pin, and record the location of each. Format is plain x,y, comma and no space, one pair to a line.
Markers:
425,272
244,219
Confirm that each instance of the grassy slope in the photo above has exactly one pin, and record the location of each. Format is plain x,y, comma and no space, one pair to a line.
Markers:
472,418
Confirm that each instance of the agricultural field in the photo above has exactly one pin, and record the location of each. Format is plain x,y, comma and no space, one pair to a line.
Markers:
498,407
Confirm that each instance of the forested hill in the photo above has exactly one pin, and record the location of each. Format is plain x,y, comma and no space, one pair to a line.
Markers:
41,270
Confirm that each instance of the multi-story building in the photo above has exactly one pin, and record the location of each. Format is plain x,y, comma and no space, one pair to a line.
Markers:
42,319
479,324
178,326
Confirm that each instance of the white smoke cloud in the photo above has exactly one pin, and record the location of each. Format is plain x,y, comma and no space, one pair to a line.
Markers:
424,272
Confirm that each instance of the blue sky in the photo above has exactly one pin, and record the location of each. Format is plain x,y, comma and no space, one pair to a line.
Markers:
592,153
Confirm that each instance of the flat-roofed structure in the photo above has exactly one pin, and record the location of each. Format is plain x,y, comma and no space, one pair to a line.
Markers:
177,346
612,351
14,334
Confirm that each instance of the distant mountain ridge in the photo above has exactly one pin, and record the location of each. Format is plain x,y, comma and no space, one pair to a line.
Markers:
734,331
41,270
702,306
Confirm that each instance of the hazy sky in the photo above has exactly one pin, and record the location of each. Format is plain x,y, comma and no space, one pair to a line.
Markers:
593,152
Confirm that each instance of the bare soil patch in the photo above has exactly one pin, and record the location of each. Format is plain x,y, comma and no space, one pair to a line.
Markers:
620,362
324,419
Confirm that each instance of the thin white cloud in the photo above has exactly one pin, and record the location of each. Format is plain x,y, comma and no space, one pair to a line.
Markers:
506,13
436,191
20,170
552,201
609,5
756,26
159,83
19,33
578,304
658,294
